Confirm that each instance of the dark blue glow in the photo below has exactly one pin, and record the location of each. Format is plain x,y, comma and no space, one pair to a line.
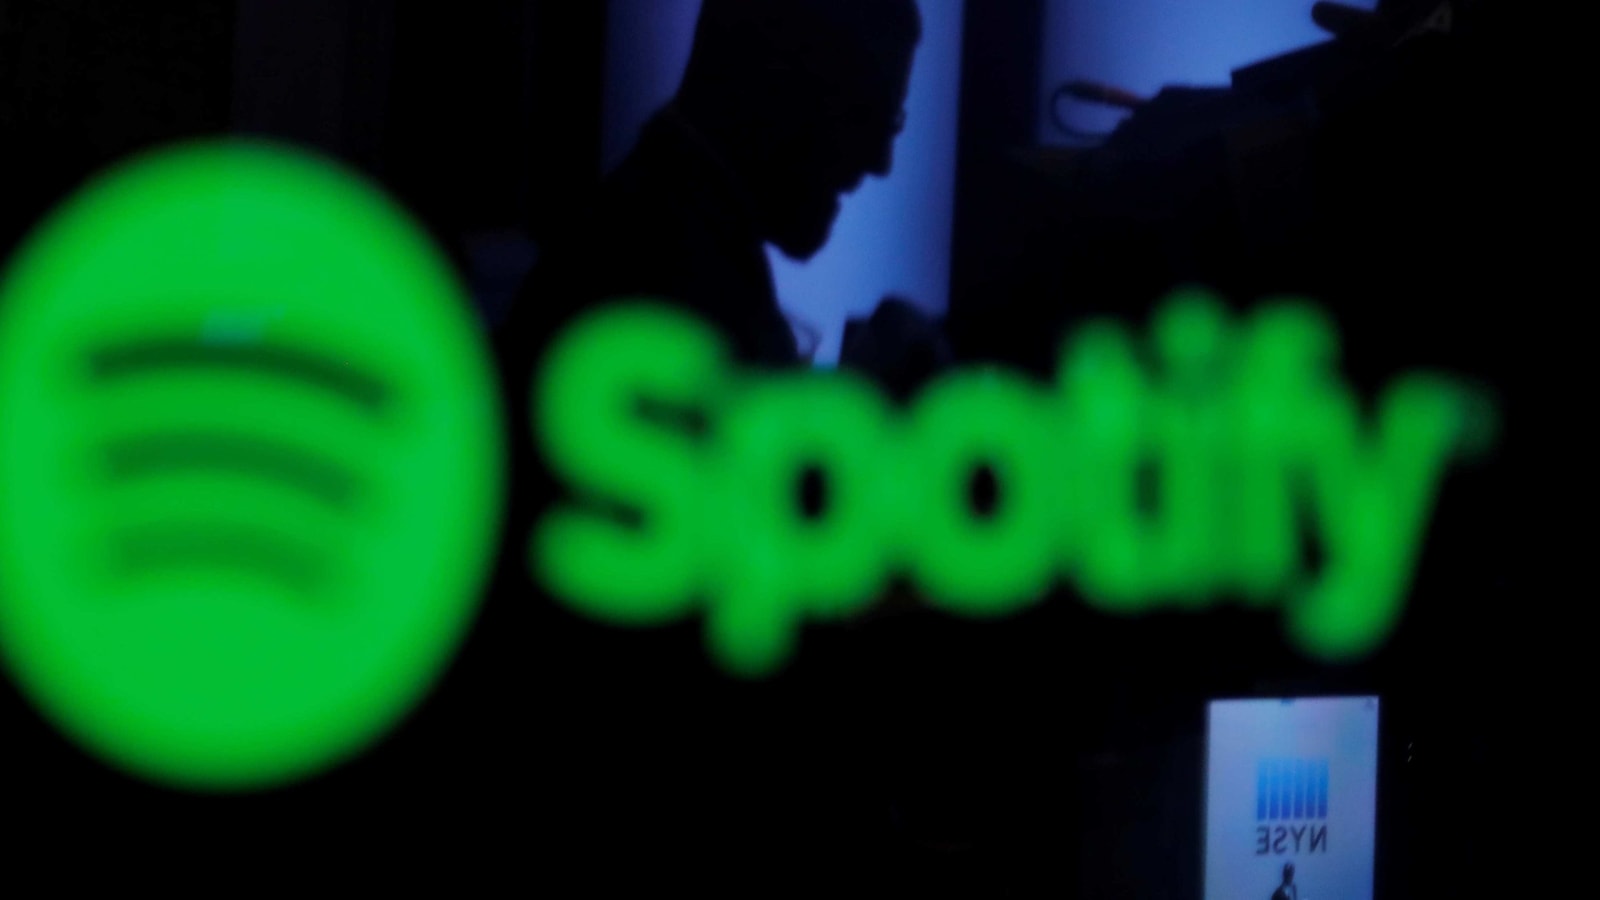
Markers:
647,49
893,234
1141,45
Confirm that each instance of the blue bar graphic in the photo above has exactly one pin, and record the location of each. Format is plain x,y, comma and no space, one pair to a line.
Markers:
1286,789
1308,789
1302,781
1272,789
1291,789
1322,790
1261,789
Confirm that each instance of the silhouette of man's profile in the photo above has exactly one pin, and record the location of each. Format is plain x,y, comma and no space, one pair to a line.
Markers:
785,106
1287,890
805,98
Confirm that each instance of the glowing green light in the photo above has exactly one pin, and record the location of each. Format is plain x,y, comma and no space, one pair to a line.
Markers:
1173,484
250,469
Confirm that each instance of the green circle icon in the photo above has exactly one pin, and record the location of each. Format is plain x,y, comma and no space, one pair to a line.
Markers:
251,466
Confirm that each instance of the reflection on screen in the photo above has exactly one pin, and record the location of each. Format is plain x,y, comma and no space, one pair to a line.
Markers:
1291,792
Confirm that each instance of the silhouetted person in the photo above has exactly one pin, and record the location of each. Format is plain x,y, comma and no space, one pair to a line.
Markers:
785,106
1287,890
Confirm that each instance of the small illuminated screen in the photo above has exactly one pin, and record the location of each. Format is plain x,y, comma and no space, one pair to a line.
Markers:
1291,798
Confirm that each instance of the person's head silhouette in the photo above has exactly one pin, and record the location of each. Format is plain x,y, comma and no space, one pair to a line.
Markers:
804,98
1288,874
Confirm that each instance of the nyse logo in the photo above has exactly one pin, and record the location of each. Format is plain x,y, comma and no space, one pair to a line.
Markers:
1293,793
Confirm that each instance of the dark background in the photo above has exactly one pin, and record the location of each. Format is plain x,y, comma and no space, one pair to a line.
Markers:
1061,749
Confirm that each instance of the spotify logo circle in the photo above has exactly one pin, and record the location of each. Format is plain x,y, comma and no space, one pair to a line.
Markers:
251,464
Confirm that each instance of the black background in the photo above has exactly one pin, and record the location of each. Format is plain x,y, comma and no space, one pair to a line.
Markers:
1061,749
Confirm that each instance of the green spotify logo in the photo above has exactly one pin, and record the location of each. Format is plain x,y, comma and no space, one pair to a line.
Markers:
250,466
1177,472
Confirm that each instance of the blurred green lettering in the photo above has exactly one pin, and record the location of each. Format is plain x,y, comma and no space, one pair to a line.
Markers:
1173,475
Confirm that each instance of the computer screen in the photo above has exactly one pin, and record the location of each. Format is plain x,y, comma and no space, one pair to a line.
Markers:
1291,797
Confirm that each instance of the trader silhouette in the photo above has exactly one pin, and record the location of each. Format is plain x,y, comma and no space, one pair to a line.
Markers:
1287,890
785,106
